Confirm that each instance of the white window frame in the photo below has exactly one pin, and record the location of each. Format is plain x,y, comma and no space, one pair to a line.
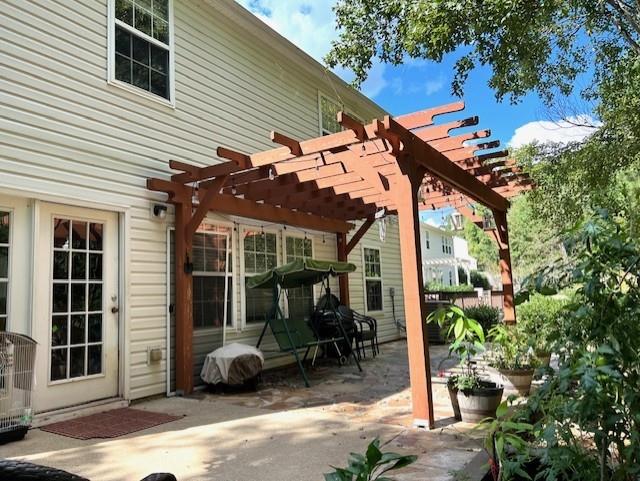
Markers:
229,274
340,105
10,245
427,241
296,235
243,274
365,279
111,53
447,245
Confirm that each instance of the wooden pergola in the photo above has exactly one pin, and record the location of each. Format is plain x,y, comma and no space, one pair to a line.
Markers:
393,165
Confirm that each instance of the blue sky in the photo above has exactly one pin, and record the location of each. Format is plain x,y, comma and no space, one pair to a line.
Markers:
417,84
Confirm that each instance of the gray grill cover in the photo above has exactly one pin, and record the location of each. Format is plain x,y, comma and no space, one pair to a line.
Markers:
232,364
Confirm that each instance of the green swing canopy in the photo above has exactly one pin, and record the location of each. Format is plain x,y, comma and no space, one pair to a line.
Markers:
300,272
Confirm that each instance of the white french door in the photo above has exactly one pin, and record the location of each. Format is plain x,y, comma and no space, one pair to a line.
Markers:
76,313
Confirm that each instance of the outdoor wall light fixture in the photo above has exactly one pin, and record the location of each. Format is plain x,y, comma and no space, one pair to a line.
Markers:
160,211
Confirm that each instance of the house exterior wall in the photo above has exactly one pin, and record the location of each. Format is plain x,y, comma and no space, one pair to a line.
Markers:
71,137
438,265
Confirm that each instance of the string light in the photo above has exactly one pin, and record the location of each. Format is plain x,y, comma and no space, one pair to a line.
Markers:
234,191
195,199
271,174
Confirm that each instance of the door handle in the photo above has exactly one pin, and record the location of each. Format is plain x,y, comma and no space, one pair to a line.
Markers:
115,310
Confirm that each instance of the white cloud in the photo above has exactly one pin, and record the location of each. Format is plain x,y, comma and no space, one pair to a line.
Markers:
561,131
434,86
310,25
375,82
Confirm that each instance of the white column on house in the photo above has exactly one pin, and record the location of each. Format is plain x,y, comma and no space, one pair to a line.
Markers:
456,277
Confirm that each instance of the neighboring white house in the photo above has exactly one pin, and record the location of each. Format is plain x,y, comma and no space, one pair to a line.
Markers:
97,97
442,255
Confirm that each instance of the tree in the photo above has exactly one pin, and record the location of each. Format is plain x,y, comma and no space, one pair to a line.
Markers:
481,247
531,46
534,240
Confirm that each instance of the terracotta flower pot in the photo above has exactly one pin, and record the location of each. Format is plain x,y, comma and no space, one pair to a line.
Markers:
517,381
479,403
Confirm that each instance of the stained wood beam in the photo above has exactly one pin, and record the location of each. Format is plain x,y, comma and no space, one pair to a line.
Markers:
206,204
436,164
425,117
362,230
227,204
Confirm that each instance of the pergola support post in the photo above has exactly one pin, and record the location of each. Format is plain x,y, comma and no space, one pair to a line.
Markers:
184,299
506,272
341,239
414,301
501,237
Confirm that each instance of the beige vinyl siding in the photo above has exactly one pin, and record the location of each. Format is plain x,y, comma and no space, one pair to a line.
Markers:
391,268
67,133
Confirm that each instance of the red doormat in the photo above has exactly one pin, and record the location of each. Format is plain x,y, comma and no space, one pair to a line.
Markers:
109,424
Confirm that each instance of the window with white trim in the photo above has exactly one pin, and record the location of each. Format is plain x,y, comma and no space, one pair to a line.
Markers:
260,254
141,45
447,245
426,239
211,277
329,116
300,301
372,279
329,109
5,237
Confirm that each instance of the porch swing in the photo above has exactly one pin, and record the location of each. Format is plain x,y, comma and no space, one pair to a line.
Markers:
296,334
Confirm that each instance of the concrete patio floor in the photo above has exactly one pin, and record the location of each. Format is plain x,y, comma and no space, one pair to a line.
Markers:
282,432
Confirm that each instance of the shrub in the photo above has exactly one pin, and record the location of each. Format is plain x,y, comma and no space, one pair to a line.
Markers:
462,276
439,287
487,316
478,279
541,315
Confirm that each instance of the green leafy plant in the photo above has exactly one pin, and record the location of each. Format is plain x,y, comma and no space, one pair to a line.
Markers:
468,341
372,466
506,443
585,416
487,316
510,348
541,315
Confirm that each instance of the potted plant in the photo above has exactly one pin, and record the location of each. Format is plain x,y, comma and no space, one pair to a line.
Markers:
513,358
472,398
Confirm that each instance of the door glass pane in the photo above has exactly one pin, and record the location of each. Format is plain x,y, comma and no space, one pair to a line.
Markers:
76,321
94,360
76,363
4,262
79,266
4,227
58,364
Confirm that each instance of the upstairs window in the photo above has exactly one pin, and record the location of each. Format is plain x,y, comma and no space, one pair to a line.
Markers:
142,45
329,109
329,116
426,239
447,245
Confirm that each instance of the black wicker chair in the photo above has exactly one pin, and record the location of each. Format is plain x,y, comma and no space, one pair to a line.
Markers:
12,470
366,331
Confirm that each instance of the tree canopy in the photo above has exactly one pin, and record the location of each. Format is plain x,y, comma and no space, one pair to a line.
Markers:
537,46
